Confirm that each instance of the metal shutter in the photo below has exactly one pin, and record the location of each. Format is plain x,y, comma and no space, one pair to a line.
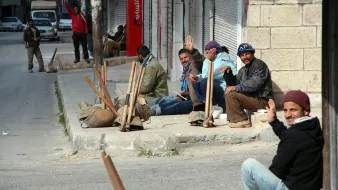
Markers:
146,22
186,16
121,13
170,36
112,4
150,24
208,6
227,24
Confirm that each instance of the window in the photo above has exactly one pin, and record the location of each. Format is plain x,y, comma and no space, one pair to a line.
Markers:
65,16
42,23
50,15
9,20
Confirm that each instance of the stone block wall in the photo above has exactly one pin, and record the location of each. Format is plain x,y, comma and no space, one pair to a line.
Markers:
287,36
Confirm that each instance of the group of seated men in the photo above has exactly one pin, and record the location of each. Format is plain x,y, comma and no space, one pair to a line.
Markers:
117,42
298,162
250,88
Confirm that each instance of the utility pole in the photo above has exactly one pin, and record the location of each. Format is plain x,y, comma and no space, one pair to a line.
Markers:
96,6
329,94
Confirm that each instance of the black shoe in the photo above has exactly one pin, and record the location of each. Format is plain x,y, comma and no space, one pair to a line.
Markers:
200,107
76,60
87,60
42,70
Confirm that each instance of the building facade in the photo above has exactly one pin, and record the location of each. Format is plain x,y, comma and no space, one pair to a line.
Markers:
288,37
285,33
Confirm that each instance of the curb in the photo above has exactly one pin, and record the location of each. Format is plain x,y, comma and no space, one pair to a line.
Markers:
156,140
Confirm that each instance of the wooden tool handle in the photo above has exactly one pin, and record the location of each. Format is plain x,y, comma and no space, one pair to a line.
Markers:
52,60
141,79
128,98
103,86
112,172
91,84
207,100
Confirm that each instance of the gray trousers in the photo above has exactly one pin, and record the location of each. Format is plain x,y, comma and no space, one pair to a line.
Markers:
31,51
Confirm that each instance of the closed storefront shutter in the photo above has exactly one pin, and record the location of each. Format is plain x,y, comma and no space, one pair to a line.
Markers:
170,36
227,25
146,22
208,9
112,4
117,14
121,13
186,19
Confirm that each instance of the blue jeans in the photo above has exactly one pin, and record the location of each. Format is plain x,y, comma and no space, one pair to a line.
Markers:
155,101
256,176
218,92
169,105
90,43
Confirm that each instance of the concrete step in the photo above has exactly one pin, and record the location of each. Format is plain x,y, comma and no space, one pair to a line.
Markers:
66,61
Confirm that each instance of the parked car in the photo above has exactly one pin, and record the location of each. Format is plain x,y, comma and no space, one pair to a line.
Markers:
65,22
11,24
45,28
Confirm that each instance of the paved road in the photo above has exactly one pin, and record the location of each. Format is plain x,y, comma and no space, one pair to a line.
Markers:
35,153
17,38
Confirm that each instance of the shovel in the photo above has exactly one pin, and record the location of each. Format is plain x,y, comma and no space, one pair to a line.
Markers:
123,127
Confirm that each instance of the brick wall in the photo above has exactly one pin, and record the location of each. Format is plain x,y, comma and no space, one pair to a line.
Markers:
287,35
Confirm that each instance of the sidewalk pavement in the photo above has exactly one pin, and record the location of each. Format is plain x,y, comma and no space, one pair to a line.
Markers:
162,133
66,61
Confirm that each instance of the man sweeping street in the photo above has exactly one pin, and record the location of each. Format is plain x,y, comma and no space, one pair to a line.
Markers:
32,42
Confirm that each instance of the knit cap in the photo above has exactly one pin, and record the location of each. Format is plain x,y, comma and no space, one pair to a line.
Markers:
299,98
245,47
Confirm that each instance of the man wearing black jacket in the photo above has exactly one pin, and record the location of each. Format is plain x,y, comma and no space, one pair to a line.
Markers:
250,89
298,162
32,39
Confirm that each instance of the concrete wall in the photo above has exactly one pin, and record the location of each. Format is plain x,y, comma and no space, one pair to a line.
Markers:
287,35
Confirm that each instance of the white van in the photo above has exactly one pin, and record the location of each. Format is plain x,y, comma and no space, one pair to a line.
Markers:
45,9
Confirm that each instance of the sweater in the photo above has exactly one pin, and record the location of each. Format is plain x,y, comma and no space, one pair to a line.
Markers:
298,162
221,60
154,83
78,23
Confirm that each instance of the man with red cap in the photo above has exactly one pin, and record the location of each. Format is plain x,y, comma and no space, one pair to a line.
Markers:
298,162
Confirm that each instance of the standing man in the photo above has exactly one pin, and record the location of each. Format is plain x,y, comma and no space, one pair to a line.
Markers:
250,89
90,32
298,162
32,42
80,30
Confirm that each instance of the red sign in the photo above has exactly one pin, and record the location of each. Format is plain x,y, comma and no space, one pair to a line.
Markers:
134,26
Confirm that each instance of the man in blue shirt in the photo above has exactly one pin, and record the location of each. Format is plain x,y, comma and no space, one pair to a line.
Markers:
220,59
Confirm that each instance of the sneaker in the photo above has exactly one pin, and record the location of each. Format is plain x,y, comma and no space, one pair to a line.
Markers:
30,71
42,70
242,124
143,110
76,60
87,60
